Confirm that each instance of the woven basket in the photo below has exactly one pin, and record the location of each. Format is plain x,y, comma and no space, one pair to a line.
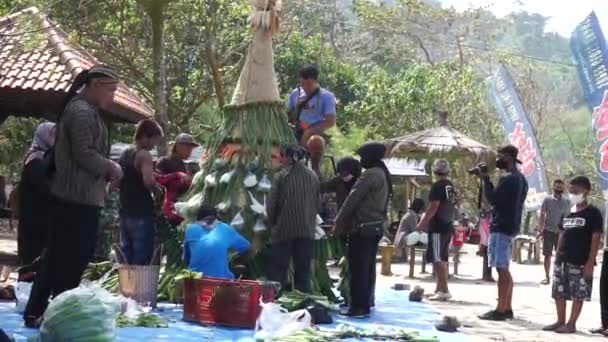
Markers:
139,283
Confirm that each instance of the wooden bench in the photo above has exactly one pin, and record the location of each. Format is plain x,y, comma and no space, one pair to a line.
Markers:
454,253
533,249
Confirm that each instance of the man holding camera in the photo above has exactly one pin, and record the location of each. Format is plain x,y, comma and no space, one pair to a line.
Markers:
507,199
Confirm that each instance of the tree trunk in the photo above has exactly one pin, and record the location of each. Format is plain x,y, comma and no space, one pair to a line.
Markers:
155,9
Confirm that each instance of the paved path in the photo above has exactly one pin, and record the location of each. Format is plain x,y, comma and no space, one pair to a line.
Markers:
532,302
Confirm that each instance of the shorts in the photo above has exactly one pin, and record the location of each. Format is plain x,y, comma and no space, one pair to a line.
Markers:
500,250
549,242
570,284
438,247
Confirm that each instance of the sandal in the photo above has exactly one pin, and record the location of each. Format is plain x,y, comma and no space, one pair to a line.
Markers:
565,329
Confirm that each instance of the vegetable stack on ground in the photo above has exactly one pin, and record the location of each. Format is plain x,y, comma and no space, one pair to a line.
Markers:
243,156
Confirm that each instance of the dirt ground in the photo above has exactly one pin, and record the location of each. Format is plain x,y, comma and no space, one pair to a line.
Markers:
532,303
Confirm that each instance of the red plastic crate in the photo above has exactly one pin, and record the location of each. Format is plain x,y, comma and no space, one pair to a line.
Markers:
233,303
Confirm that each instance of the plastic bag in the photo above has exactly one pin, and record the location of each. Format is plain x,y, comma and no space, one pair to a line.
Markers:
238,221
22,294
319,233
250,181
226,177
87,312
190,208
275,322
415,238
211,180
259,226
256,206
224,206
197,178
264,184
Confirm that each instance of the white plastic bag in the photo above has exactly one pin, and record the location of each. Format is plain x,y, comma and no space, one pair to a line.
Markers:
259,226
87,312
250,181
275,322
190,208
22,294
416,237
226,177
211,180
319,233
264,184
238,221
256,206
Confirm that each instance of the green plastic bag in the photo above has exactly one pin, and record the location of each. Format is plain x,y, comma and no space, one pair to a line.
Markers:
86,313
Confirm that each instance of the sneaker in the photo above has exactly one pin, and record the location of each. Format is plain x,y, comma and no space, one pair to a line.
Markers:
494,316
441,297
355,313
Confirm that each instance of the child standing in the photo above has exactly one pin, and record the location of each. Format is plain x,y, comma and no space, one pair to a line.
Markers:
577,249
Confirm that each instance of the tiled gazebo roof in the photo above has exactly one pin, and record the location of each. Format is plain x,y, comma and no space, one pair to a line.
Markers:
37,64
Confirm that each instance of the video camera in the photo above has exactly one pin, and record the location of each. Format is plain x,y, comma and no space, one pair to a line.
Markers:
481,168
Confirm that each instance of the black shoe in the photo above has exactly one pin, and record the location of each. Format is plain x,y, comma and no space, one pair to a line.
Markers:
509,314
355,313
494,316
33,322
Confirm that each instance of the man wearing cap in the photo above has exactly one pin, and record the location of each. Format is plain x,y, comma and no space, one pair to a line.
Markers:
439,219
507,199
181,150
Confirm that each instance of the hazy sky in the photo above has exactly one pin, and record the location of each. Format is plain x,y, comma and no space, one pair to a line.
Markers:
565,14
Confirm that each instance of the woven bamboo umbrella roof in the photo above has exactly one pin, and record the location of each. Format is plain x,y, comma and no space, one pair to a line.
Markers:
439,142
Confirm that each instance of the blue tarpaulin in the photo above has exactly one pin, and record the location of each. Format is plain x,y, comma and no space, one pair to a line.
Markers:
393,309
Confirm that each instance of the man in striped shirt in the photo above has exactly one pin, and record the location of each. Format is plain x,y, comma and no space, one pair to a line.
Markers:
292,210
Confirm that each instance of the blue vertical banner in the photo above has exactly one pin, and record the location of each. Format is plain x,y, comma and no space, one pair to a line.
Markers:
588,47
519,132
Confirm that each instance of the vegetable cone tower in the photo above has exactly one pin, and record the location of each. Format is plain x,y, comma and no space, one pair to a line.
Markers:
244,153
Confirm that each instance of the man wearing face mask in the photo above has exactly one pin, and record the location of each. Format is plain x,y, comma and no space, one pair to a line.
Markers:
575,259
507,199
553,210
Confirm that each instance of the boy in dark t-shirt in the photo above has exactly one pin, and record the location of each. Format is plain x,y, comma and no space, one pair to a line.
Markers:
577,249
439,218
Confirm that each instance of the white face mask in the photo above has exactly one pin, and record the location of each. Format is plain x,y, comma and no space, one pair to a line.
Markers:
577,198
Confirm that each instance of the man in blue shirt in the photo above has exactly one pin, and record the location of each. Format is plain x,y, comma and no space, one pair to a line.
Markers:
206,245
312,109
507,199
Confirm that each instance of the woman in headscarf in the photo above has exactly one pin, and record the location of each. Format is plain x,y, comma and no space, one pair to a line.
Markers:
362,217
34,197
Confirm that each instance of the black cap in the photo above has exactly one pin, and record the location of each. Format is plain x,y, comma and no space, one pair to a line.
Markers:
206,211
372,150
511,151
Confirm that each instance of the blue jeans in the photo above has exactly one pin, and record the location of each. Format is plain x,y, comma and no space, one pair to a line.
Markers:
500,250
137,238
